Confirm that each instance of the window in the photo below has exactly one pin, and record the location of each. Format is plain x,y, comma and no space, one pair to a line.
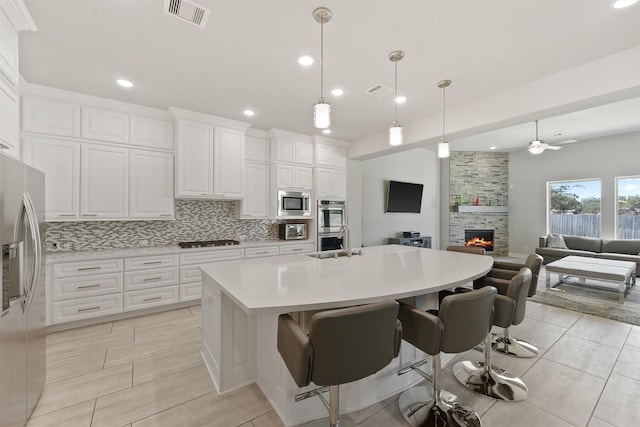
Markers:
628,218
574,207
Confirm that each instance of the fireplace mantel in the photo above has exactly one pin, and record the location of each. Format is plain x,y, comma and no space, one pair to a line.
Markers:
482,209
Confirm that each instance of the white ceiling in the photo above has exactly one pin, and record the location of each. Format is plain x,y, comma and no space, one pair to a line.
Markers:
247,58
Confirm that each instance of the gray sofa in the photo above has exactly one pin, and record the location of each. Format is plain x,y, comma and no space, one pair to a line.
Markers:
618,249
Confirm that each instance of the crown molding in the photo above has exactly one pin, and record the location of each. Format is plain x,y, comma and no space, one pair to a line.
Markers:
18,14
180,113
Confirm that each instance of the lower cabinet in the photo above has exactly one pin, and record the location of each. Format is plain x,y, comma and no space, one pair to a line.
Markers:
86,308
191,275
147,298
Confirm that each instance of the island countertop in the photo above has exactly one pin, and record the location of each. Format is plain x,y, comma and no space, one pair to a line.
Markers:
301,282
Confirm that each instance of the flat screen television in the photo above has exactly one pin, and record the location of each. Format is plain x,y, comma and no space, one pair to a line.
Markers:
404,197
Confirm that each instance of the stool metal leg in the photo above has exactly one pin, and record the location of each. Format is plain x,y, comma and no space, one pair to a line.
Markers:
490,381
512,346
425,406
334,411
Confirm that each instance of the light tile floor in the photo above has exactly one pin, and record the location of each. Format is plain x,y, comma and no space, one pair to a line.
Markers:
147,371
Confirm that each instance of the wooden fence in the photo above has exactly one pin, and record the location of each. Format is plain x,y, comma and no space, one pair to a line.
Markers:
589,225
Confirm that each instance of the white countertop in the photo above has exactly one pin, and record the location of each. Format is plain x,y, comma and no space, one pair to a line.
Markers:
62,256
300,282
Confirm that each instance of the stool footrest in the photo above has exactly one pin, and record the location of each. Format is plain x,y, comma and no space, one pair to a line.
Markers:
414,367
311,393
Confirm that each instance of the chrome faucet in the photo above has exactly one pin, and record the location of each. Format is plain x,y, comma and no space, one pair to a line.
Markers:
341,234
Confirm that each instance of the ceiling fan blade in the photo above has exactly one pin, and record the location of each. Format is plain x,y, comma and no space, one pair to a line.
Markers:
552,147
566,141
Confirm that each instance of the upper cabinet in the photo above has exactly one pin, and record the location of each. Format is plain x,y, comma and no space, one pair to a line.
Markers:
210,156
104,182
329,155
105,125
60,162
289,147
9,120
150,185
152,133
50,116
194,160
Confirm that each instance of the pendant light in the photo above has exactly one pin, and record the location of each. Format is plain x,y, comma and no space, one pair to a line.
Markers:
443,145
322,109
395,131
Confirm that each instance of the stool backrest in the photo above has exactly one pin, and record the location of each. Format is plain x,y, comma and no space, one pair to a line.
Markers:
518,289
467,318
534,261
354,342
477,250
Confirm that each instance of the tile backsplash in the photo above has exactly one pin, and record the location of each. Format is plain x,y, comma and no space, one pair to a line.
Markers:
195,220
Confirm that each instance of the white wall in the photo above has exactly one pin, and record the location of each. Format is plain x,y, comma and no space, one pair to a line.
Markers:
603,159
418,166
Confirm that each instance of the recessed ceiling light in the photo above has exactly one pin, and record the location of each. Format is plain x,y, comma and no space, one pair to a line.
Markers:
621,4
305,60
400,99
124,83
493,148
337,92
326,131
248,113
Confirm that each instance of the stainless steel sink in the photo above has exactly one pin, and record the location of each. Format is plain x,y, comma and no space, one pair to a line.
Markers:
336,254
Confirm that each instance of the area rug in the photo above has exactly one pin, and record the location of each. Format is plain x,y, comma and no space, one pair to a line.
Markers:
590,300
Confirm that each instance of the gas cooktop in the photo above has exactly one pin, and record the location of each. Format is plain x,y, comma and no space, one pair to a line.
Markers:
207,243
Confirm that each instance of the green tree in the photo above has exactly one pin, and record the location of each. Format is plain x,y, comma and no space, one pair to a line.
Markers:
562,200
590,205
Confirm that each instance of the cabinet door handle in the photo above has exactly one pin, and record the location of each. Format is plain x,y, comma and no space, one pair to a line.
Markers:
97,285
165,214
152,262
152,299
96,307
89,214
262,252
204,194
149,279
89,268
73,215
296,249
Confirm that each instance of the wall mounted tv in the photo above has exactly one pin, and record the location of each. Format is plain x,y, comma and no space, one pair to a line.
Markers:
404,197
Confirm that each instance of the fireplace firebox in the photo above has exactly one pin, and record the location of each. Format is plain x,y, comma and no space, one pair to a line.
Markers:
480,238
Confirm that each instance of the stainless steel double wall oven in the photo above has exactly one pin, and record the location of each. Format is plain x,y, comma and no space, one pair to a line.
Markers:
332,214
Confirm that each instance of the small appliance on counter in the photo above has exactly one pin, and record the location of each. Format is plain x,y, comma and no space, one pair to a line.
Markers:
410,234
292,231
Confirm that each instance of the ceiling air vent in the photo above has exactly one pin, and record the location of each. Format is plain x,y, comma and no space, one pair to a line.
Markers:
187,11
379,90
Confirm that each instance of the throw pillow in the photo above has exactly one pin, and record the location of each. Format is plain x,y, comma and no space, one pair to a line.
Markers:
556,241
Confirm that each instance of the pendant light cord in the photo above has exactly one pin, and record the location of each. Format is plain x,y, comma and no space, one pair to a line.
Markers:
444,91
395,96
322,58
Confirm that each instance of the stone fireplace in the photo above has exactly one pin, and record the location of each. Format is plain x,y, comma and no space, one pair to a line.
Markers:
478,198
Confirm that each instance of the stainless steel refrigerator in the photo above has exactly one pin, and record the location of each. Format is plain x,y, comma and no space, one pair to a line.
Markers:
22,319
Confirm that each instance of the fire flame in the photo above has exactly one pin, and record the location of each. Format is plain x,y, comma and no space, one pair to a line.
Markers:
478,241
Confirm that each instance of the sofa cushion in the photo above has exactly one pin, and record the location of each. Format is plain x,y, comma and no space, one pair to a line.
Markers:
620,257
556,252
621,246
556,241
580,243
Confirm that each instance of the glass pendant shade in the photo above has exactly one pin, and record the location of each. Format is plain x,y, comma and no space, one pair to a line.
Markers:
395,134
322,114
443,149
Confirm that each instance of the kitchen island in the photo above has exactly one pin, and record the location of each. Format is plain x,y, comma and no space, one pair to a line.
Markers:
242,299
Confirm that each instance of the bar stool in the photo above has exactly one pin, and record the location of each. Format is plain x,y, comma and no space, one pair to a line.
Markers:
484,378
477,250
342,345
499,277
460,324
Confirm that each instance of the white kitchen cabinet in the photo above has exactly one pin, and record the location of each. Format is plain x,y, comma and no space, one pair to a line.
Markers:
191,275
85,308
292,177
9,141
152,278
8,49
66,288
105,125
256,200
104,182
329,155
194,160
288,147
297,248
151,185
60,162
137,300
152,133
50,116
228,159
257,149
330,183
262,251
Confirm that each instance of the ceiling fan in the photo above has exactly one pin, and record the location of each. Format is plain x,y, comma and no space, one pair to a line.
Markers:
537,146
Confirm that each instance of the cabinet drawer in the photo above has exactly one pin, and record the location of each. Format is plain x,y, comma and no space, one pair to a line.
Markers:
85,308
146,279
144,263
137,300
297,249
191,291
260,252
211,256
84,268
190,273
86,286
